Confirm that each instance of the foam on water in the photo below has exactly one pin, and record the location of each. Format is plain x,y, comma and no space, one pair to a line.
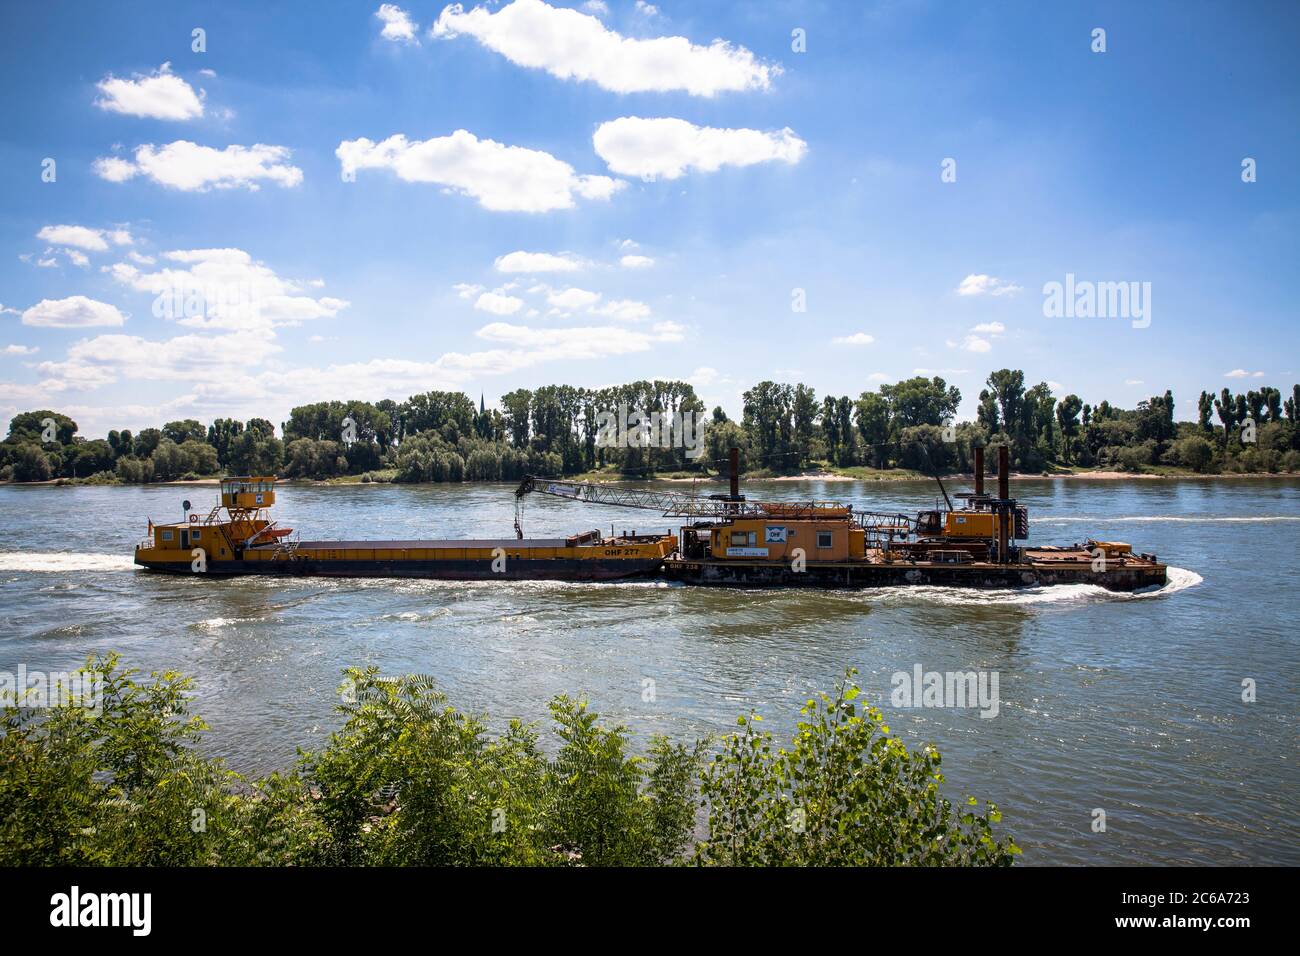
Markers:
1179,579
56,561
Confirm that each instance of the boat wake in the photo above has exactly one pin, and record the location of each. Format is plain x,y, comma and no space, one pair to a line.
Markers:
1179,579
58,561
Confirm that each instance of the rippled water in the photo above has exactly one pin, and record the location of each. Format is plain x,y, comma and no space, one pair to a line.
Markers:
1130,703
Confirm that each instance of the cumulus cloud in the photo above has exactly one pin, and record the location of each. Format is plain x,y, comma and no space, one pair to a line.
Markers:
502,178
537,262
622,310
857,338
398,25
989,328
572,298
192,168
973,343
1242,373
498,304
93,363
224,289
20,350
74,312
160,95
574,46
522,346
636,262
986,285
669,147
82,237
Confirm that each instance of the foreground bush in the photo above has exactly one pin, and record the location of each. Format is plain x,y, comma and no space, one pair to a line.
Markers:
409,780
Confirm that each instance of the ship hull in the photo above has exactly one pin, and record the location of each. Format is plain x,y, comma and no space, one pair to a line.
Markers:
900,574
548,569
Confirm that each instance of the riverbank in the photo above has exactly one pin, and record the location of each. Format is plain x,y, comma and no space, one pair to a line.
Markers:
839,475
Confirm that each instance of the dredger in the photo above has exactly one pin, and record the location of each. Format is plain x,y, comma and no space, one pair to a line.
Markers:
728,541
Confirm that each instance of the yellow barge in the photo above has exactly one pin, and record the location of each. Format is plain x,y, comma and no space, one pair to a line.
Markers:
244,540
728,541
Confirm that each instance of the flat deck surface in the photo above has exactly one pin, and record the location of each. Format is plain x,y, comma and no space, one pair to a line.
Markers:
432,543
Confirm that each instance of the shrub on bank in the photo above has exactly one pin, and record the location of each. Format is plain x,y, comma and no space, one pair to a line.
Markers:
410,780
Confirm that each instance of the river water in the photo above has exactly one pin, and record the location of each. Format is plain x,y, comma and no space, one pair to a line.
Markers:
1128,704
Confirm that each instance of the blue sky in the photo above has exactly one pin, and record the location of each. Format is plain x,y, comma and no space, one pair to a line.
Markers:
686,188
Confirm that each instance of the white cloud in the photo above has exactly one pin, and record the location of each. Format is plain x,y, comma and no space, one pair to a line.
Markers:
82,237
192,168
669,147
572,45
537,262
973,343
140,259
1242,373
596,7
20,350
498,304
467,290
878,377
74,312
398,25
524,346
703,376
989,328
224,289
636,262
622,310
502,178
857,338
93,363
986,285
646,9
114,169
572,298
78,258
627,245
1132,381
161,95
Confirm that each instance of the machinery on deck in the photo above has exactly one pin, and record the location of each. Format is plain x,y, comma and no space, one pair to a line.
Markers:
732,540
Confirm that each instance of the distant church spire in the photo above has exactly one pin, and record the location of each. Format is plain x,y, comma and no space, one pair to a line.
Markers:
481,407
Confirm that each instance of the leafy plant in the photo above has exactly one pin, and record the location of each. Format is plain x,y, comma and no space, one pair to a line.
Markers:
409,780
846,793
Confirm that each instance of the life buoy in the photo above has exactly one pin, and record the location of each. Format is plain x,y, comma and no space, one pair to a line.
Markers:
194,519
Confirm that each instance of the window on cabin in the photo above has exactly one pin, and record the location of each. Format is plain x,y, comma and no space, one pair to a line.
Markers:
744,539
166,536
197,534
823,539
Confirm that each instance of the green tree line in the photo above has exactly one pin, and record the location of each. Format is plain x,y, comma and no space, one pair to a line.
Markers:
557,430
410,780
